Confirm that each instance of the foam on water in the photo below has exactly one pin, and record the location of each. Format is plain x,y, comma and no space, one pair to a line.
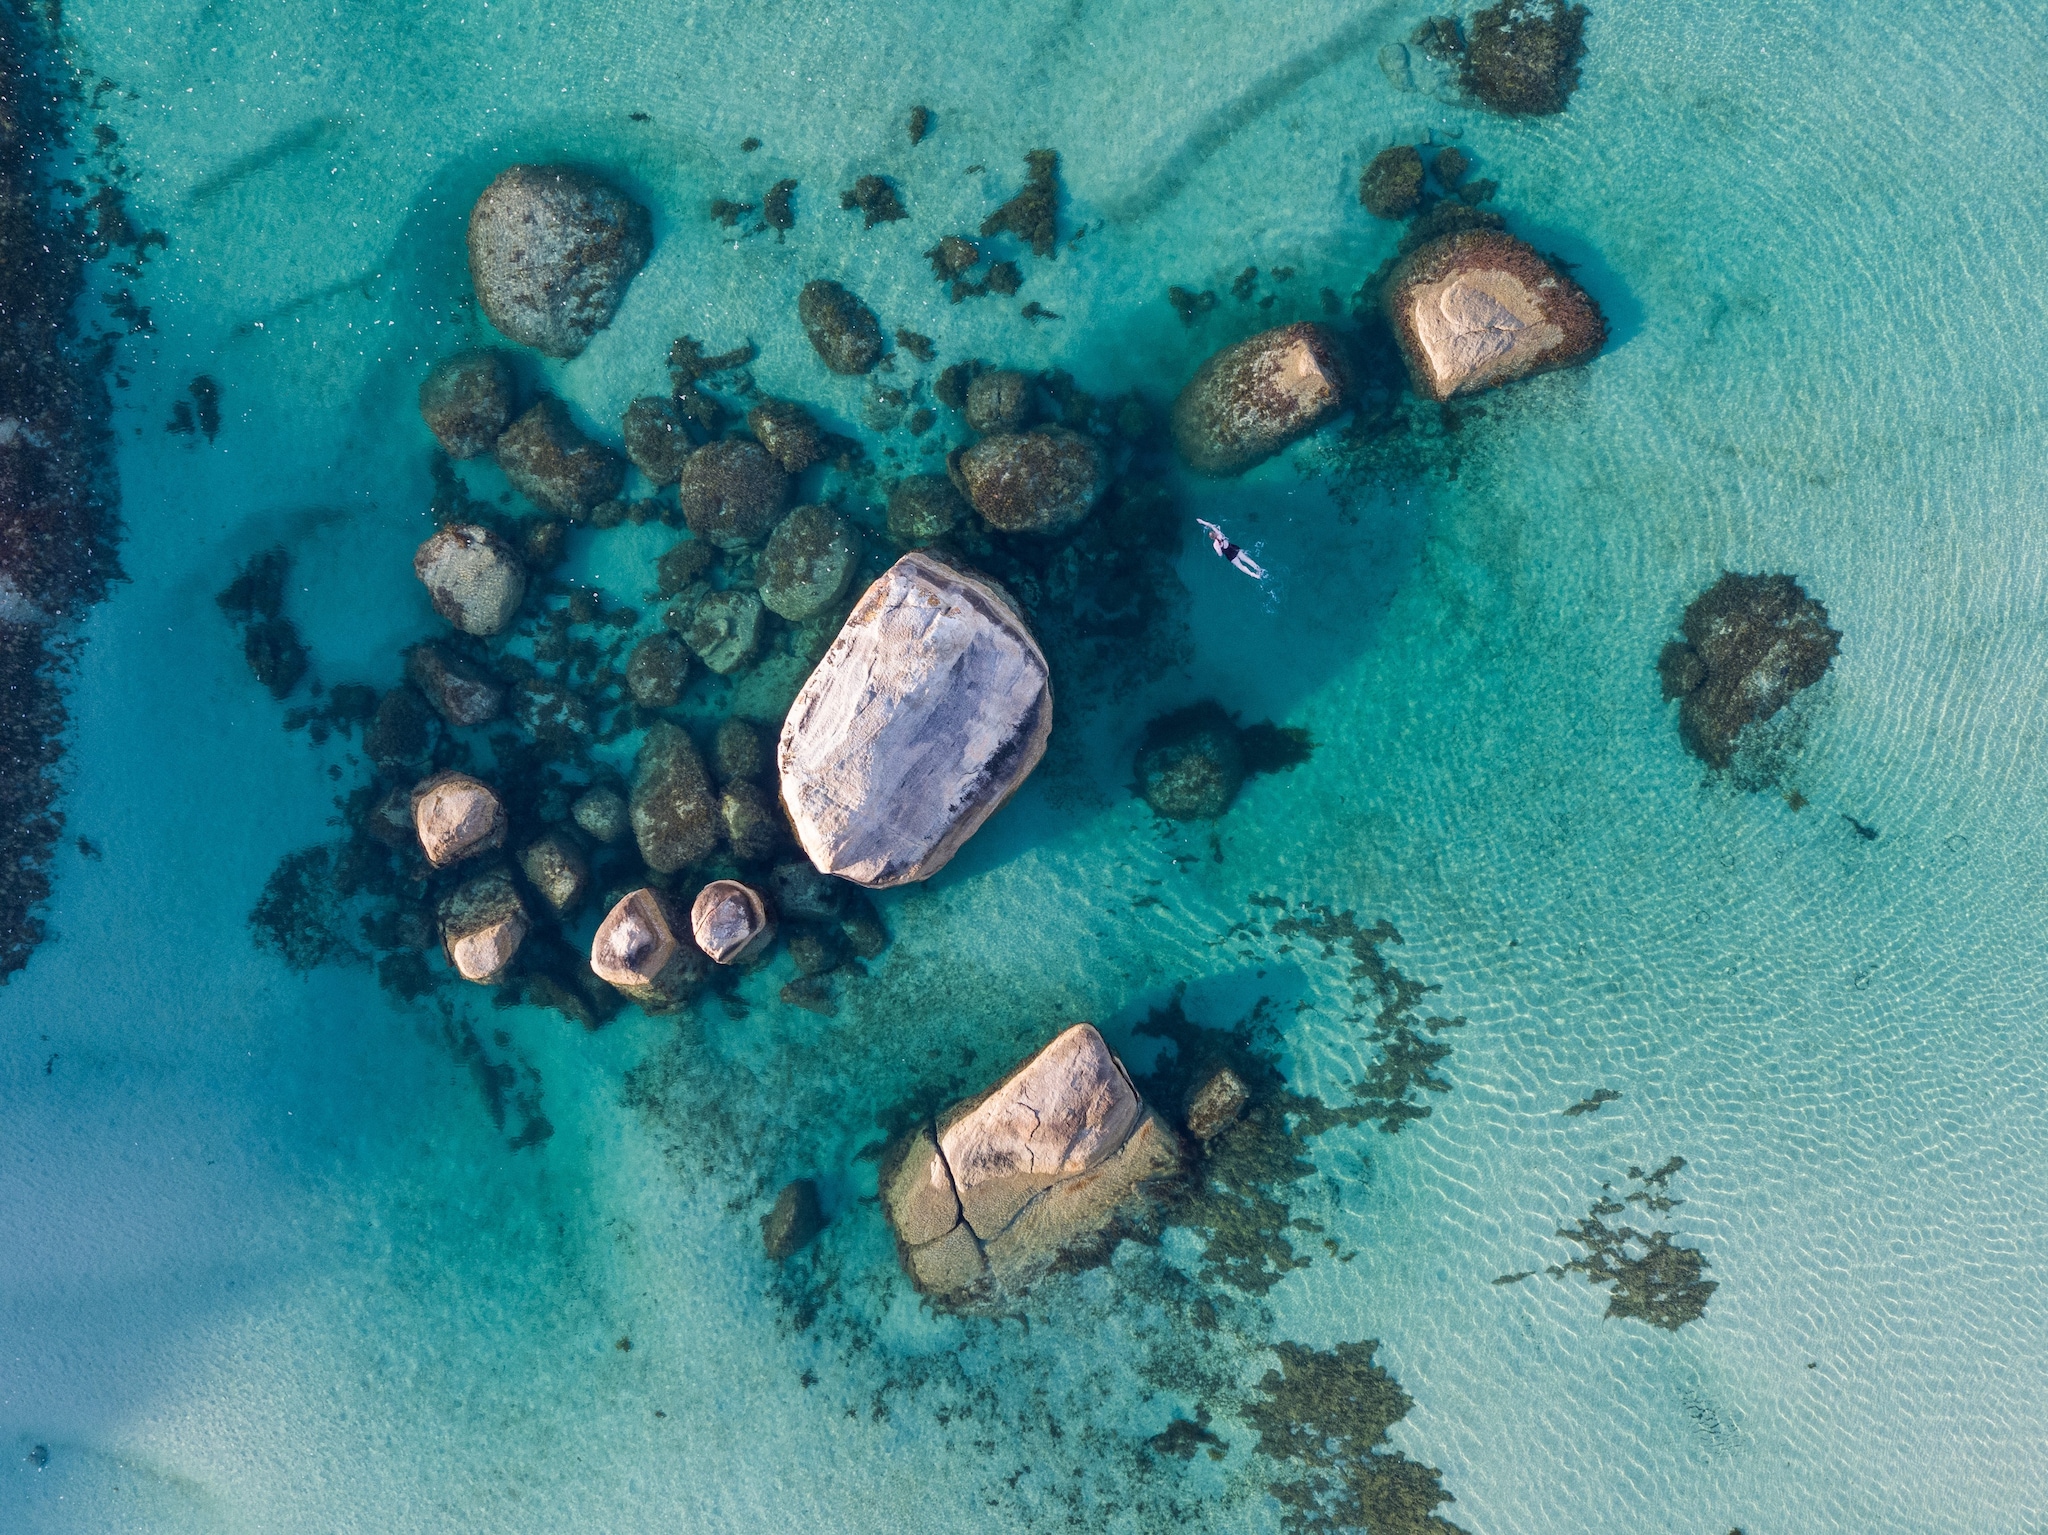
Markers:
272,1262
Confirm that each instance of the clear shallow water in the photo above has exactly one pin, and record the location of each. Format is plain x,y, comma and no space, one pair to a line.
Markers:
272,1265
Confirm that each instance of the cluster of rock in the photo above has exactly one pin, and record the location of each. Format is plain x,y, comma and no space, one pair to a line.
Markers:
1049,1166
1520,57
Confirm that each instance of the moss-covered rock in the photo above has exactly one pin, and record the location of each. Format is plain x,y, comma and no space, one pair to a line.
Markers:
1391,186
467,401
998,401
551,251
673,809
1751,643
1042,481
924,508
657,671
844,332
808,563
1523,55
1032,214
656,441
554,465
732,492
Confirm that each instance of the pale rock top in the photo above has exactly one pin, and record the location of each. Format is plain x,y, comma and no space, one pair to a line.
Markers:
635,942
1475,324
932,705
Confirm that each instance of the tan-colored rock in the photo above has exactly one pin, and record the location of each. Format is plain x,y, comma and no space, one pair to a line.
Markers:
1250,400
1055,1162
456,817
483,922
555,866
1479,308
730,922
928,711
642,947
462,692
475,579
1215,1105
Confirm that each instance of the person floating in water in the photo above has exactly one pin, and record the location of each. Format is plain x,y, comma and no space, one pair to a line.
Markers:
1231,552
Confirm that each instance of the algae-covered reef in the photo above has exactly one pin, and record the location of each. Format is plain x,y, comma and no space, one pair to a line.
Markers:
57,511
1649,1277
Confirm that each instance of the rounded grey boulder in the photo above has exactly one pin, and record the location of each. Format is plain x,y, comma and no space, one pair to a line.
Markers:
551,251
843,330
731,492
1033,482
730,921
467,401
1250,400
808,563
475,579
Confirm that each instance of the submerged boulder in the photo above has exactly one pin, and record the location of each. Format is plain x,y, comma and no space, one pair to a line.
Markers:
808,563
1250,400
788,433
730,922
603,814
643,949
753,825
1479,308
475,579
731,492
467,401
551,250
550,462
461,691
1050,1164
1523,55
725,630
843,330
998,400
483,923
656,671
930,708
1391,186
1042,481
555,866
1191,764
1215,1106
1751,642
656,442
456,817
795,1220
923,508
673,809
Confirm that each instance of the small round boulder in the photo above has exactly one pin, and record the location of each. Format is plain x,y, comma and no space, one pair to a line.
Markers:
1191,764
732,492
843,330
725,630
456,817
467,401
1033,482
923,508
555,866
656,443
730,921
657,670
475,579
1250,400
1391,186
788,433
602,813
483,923
808,563
639,949
550,462
997,401
551,251
739,752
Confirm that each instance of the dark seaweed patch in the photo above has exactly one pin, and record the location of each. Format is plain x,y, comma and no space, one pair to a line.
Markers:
1650,1278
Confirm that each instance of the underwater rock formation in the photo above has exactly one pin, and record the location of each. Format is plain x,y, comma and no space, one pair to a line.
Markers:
1478,309
753,823
930,708
603,814
1250,400
788,433
1047,1165
843,330
1391,186
551,251
475,579
731,492
997,400
656,441
550,462
1041,481
456,817
923,508
1030,215
643,950
1751,642
673,811
656,671
467,401
725,630
1192,762
730,922
808,564
1523,55
738,752
1215,1106
556,868
796,1218
483,923
461,692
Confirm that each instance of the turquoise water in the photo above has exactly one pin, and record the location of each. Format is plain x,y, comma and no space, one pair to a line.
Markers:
273,1265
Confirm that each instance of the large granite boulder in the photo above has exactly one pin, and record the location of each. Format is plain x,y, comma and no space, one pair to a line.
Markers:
1052,1163
1751,642
929,709
475,579
731,492
456,817
808,563
844,332
731,922
643,948
673,807
467,401
1250,400
554,465
1479,308
1043,481
483,923
551,250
